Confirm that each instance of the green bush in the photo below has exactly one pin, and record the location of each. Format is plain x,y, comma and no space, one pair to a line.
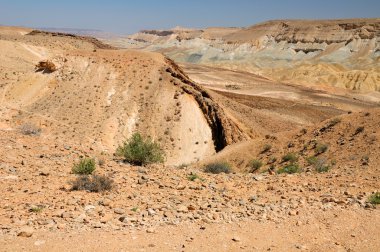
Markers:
321,148
216,168
289,169
266,148
374,198
93,183
85,166
311,160
193,176
333,122
321,166
290,157
255,165
140,151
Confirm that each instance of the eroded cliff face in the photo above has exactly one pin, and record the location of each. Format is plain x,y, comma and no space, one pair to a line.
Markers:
224,130
321,52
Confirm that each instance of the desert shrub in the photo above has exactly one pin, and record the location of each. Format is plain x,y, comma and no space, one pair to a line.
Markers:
84,166
94,183
266,148
311,160
272,160
140,151
321,166
359,130
374,198
333,122
321,148
193,176
290,169
219,167
101,161
30,129
36,209
255,165
290,157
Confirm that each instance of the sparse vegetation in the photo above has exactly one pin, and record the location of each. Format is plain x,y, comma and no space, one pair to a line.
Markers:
321,166
217,168
134,209
272,160
84,167
141,151
374,198
266,148
290,169
333,122
94,183
359,130
36,209
255,165
311,160
290,157
194,176
321,148
30,129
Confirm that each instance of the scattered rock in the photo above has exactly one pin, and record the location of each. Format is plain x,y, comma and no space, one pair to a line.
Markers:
26,232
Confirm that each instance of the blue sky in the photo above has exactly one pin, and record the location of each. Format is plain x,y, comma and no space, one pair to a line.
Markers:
130,16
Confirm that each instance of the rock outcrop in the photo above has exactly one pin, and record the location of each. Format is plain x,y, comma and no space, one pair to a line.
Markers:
279,49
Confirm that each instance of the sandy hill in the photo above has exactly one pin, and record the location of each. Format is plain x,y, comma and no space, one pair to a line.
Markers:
103,96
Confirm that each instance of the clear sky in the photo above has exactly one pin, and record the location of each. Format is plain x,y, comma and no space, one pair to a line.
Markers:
130,16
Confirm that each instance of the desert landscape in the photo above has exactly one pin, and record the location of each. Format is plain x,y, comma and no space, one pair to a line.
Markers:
264,138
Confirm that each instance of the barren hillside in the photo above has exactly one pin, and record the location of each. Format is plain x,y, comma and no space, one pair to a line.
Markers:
339,53
103,96
298,165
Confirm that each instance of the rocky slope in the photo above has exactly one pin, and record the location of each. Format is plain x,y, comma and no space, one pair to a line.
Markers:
341,53
102,96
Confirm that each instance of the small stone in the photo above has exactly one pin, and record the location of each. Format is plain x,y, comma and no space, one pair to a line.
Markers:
39,242
181,187
61,226
97,225
44,172
81,218
150,231
89,208
191,208
58,213
258,177
26,232
151,212
182,209
106,202
236,239
292,213
106,218
119,211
